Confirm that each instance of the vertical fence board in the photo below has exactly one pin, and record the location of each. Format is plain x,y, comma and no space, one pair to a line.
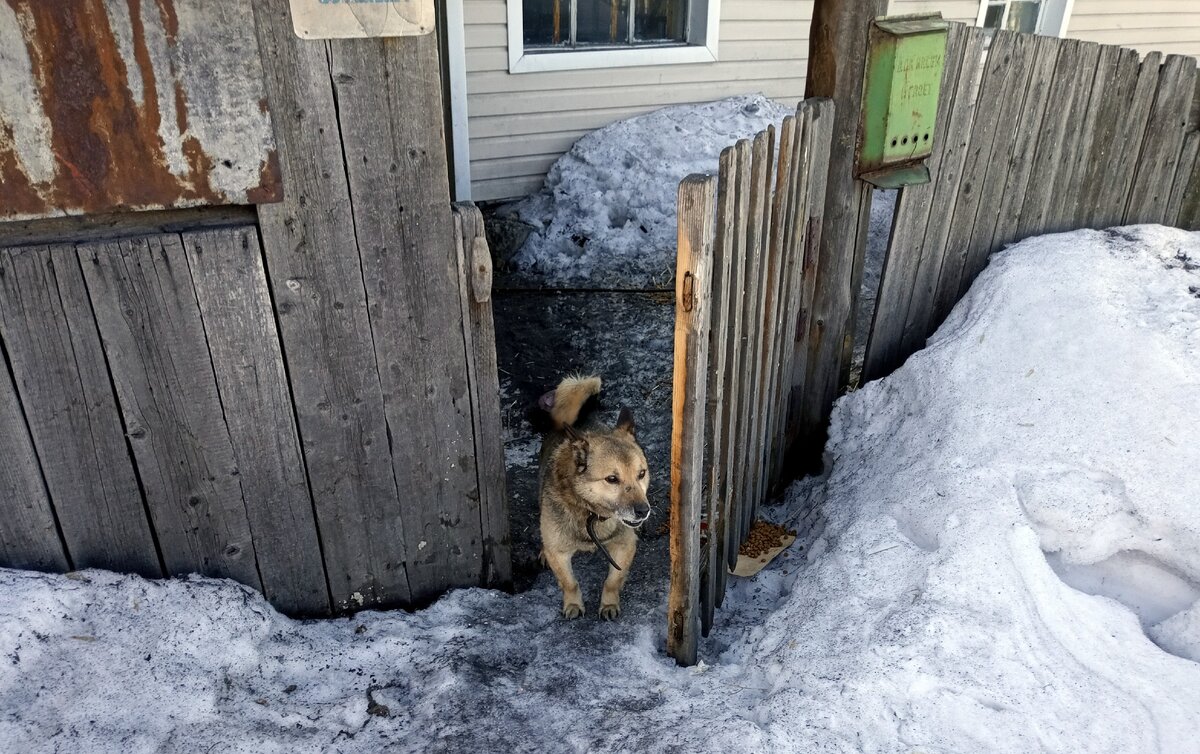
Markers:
28,535
317,283
48,329
150,324
776,266
751,324
474,261
396,166
1094,79
1108,164
235,306
913,207
1027,125
732,416
1184,175
955,137
716,413
1006,65
1163,141
693,280
821,147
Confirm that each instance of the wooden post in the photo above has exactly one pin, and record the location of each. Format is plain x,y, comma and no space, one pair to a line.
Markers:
693,280
837,59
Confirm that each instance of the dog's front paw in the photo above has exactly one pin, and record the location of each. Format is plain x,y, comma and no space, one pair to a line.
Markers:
610,612
572,611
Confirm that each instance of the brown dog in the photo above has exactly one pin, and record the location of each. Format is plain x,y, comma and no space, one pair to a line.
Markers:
593,493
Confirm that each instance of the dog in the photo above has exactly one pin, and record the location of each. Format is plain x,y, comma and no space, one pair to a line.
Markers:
592,491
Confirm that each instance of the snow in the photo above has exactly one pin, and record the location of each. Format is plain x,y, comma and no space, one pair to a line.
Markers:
606,215
1004,556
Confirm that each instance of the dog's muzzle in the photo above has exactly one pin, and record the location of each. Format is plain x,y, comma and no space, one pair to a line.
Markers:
640,512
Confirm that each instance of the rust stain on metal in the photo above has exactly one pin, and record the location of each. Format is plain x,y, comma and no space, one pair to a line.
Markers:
97,76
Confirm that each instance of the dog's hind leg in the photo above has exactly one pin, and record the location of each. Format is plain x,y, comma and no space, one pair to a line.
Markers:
560,563
622,551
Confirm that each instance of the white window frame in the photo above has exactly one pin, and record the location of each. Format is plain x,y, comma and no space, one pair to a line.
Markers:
1046,25
704,24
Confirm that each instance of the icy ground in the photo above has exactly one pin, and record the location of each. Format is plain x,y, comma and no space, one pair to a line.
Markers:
1004,557
606,216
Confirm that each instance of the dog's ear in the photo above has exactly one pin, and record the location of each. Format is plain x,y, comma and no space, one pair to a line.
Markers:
579,448
625,422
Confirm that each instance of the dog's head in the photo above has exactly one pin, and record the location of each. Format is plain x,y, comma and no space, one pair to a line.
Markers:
611,475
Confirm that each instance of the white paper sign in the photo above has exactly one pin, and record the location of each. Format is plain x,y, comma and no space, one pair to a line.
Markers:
339,19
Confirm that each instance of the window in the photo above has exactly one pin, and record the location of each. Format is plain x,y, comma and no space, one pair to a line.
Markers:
1029,16
550,35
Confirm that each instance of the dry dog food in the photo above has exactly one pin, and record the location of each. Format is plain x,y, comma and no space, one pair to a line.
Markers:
763,537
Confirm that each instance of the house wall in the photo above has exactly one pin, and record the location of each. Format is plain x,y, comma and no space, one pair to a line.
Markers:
1169,26
521,123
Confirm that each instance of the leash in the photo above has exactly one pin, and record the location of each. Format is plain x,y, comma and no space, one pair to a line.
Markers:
591,530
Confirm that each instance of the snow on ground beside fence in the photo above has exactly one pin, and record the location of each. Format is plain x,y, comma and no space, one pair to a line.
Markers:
1008,560
606,216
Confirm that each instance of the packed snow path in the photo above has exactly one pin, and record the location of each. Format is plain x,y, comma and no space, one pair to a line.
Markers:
1005,556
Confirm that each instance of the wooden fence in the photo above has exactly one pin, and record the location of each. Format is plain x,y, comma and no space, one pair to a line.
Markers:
1035,135
300,395
744,286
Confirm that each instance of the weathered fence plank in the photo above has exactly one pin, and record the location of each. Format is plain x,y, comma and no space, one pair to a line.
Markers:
317,284
1184,175
1163,141
955,136
396,167
693,281
150,324
1093,85
835,70
716,408
1006,63
901,266
1022,152
732,416
235,306
1110,162
28,534
58,364
821,146
475,284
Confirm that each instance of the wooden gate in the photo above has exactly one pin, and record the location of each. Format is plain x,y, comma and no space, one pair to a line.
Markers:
300,395
744,290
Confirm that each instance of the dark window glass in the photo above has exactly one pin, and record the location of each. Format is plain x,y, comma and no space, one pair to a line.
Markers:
603,22
660,20
546,22
993,16
1023,15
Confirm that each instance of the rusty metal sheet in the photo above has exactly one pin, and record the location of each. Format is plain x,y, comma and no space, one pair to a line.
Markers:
131,104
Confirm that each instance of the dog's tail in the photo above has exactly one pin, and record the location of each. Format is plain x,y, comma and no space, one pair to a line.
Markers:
569,397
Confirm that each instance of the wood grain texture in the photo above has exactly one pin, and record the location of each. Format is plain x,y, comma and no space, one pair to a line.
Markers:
902,263
823,120
485,391
921,317
316,280
146,311
835,70
1109,164
717,413
231,291
732,417
58,363
1150,194
1092,83
28,534
1185,176
693,283
396,165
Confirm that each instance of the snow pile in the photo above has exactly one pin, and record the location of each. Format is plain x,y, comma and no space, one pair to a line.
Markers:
606,216
1008,560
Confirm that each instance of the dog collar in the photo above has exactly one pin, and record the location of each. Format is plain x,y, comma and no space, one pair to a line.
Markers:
591,530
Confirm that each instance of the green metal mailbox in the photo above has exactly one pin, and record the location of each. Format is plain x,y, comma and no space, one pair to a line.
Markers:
905,57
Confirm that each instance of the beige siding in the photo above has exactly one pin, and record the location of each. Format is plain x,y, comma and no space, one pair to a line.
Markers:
1169,26
520,124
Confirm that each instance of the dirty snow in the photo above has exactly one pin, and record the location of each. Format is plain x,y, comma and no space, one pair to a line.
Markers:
606,216
1004,557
